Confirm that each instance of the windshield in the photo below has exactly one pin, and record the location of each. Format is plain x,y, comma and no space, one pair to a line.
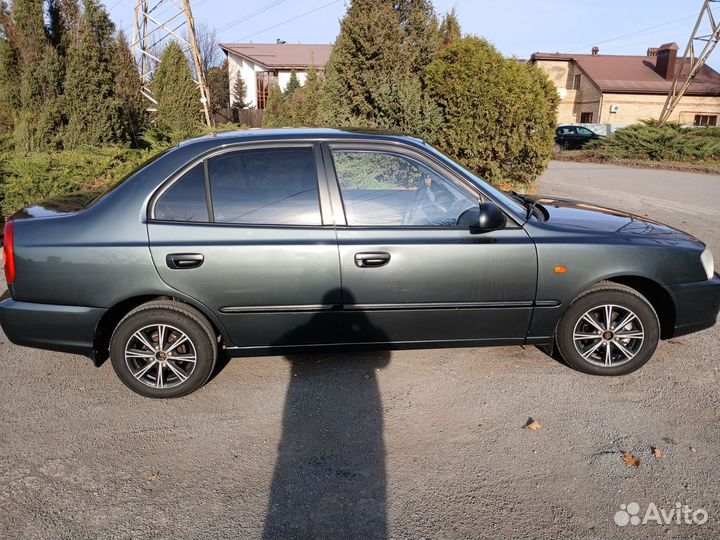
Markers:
103,194
497,195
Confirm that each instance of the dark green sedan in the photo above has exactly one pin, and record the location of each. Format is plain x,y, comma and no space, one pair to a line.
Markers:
279,241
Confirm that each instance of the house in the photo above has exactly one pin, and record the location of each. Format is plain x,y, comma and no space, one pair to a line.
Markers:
260,65
621,90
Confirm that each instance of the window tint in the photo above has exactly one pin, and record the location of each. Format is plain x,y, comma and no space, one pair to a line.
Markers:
380,188
584,132
185,200
275,186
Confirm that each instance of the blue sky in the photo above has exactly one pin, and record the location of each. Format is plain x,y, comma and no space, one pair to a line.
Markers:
518,27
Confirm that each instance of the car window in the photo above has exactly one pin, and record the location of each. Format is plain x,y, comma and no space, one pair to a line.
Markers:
584,132
273,186
386,189
186,199
567,130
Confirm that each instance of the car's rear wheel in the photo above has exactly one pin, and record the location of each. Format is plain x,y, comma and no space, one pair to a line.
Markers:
163,349
610,329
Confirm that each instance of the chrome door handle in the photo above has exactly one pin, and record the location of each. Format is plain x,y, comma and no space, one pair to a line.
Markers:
370,260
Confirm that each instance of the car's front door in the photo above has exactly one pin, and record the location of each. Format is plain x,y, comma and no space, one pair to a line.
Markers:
243,233
410,273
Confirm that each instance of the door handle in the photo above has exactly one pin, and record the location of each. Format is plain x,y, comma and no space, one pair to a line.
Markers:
183,261
370,260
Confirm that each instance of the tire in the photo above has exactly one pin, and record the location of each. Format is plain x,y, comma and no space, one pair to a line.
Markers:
170,371
557,148
583,335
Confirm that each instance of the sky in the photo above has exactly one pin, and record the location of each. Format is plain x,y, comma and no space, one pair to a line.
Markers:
516,27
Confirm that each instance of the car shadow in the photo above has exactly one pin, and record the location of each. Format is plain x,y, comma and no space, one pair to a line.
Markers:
330,478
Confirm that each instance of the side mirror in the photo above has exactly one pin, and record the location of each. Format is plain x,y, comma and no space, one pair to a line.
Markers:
491,217
484,218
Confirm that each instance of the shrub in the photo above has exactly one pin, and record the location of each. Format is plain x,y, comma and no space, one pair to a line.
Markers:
31,178
499,114
647,141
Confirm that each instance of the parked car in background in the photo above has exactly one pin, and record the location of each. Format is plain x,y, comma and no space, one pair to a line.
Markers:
574,137
279,241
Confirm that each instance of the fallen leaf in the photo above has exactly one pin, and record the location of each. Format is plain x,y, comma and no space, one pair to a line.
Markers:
531,424
630,460
669,440
154,476
658,453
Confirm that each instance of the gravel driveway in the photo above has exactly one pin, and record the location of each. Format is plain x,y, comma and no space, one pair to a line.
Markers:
410,444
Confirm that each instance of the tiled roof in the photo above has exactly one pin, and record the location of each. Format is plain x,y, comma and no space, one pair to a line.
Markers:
281,55
635,74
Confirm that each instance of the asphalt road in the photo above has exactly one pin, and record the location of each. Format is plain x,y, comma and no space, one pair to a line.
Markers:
409,444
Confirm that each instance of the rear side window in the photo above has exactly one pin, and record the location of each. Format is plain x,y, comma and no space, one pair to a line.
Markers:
186,200
273,186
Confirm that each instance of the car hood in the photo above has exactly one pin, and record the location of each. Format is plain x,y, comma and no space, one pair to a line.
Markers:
582,216
67,204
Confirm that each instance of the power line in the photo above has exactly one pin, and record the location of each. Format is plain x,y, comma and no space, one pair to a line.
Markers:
250,15
631,34
290,20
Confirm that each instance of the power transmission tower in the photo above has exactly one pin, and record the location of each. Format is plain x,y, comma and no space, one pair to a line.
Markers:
691,64
155,22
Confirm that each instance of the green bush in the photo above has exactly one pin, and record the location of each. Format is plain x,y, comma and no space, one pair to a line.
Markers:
499,114
647,141
31,178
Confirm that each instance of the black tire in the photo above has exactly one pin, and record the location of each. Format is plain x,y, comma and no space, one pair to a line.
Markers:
177,319
625,301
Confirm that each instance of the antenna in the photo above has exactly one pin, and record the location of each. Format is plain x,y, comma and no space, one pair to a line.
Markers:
155,22
681,81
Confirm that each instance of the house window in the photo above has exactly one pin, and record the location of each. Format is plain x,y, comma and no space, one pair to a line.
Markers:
576,82
705,120
586,118
263,80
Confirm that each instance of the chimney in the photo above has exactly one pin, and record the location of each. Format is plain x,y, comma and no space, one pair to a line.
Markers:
595,51
666,57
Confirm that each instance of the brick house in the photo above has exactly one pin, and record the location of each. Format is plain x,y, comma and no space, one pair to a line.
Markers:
621,90
261,65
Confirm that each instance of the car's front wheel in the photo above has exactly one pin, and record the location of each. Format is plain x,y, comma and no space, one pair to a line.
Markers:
163,349
610,329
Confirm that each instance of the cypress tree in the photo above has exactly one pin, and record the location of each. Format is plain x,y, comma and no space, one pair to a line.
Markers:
93,113
128,99
239,93
275,114
374,75
293,84
9,80
177,95
450,30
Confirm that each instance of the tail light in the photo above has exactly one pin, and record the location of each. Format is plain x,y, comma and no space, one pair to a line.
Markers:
9,252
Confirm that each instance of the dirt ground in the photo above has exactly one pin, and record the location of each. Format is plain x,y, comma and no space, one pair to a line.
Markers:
405,445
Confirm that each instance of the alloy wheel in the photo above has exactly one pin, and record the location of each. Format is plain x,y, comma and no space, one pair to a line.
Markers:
608,335
160,356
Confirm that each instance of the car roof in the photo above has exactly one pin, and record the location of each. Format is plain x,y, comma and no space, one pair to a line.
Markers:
262,134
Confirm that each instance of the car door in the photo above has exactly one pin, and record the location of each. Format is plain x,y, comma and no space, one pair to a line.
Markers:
585,136
409,272
242,231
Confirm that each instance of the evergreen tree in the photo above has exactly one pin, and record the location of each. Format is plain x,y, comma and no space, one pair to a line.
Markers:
239,93
293,84
374,75
93,112
276,108
218,79
9,66
450,30
177,95
499,114
128,98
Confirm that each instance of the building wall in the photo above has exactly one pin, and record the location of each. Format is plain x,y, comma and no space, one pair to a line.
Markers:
636,107
248,70
573,101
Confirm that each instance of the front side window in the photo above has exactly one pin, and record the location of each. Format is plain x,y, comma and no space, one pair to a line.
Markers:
270,186
185,200
584,132
385,189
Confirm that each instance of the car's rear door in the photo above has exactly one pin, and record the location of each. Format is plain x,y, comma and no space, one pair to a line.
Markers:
244,232
409,272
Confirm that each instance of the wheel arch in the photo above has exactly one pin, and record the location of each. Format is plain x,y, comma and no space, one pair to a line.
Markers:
659,298
112,317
